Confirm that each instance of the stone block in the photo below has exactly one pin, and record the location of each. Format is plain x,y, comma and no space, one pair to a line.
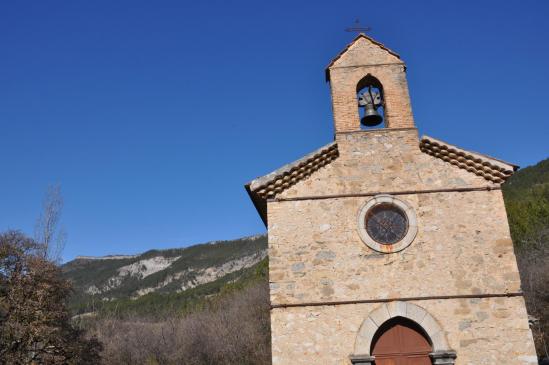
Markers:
439,340
415,313
380,315
397,309
430,325
365,336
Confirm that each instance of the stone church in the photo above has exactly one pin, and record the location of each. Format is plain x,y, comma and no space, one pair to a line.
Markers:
386,248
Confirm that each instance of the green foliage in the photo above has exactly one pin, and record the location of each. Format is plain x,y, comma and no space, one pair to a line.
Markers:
527,201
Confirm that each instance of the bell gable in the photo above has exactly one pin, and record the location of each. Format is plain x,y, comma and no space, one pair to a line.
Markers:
363,51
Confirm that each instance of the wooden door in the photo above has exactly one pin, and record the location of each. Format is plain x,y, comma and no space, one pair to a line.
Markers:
401,343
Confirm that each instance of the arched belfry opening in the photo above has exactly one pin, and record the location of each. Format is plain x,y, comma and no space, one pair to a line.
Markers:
401,341
371,103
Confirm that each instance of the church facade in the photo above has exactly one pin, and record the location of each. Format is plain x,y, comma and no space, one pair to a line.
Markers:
386,248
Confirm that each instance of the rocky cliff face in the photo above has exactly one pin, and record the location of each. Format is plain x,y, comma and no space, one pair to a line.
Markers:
110,278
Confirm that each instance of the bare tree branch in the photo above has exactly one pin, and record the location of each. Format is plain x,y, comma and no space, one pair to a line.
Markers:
47,231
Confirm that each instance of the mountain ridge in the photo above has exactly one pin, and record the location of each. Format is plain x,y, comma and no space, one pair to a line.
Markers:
123,256
171,271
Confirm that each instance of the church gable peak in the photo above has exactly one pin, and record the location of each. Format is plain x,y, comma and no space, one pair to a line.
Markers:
353,54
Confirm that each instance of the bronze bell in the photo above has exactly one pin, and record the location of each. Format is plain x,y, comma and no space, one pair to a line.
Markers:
371,117
370,100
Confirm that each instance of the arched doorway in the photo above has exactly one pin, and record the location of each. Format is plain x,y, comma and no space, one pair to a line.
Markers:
400,341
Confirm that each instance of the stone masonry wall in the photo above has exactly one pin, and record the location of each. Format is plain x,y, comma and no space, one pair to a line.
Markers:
463,244
485,331
462,247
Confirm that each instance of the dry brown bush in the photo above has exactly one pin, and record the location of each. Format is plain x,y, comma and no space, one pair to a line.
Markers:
35,324
234,330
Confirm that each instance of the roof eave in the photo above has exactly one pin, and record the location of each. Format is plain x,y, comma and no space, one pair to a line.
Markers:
259,204
512,166
492,169
268,186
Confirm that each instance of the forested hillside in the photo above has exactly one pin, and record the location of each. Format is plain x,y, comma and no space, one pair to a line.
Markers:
163,280
527,201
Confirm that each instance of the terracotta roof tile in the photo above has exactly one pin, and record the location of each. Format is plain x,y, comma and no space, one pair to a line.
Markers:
270,185
490,168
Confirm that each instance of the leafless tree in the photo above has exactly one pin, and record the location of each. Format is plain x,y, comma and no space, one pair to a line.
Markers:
47,231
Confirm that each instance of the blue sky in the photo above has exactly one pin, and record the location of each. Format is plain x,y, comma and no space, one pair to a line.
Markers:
152,115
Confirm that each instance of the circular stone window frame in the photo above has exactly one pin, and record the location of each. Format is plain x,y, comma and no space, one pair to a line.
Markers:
387,248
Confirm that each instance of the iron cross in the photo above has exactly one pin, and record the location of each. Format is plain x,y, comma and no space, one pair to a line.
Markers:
358,28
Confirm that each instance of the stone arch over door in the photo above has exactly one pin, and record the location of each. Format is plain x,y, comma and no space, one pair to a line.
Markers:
441,355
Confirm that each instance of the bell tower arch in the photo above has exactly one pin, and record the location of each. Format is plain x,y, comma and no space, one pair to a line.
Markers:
371,103
362,60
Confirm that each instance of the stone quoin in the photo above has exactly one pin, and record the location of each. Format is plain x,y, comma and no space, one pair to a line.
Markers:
386,248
